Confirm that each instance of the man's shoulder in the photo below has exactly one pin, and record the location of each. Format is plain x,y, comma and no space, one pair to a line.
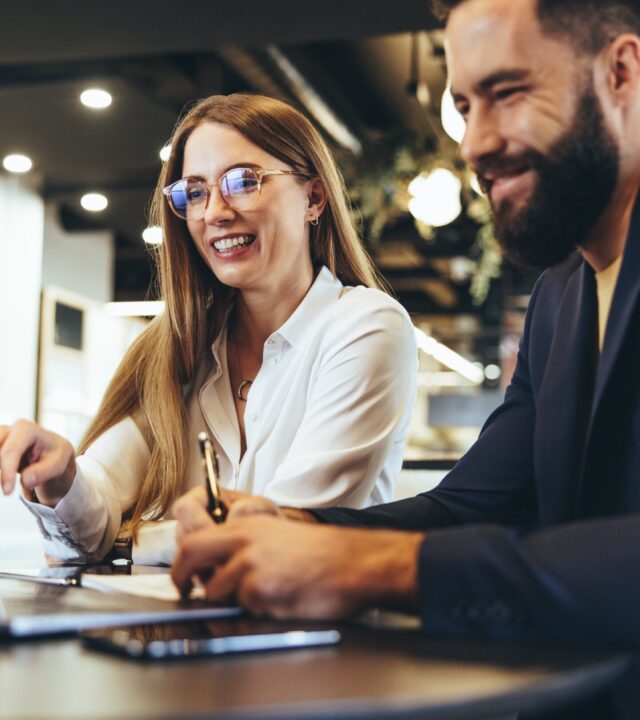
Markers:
559,274
551,284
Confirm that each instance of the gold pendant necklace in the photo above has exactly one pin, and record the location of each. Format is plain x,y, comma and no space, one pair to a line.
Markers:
243,383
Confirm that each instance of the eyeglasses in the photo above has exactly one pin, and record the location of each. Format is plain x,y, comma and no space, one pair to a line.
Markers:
240,189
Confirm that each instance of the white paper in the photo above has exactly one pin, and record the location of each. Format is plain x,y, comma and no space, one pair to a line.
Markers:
155,585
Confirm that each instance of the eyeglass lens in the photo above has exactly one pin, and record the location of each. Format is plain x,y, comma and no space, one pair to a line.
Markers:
239,187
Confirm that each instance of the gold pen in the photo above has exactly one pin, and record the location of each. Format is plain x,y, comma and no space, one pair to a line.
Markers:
216,507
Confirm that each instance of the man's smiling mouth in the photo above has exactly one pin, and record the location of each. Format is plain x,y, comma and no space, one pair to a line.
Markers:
505,184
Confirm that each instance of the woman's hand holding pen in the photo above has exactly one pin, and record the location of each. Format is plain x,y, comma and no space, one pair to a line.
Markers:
192,513
45,461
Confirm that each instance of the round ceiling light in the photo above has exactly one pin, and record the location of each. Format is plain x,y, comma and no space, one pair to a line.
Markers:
17,163
96,98
152,235
436,197
452,122
94,202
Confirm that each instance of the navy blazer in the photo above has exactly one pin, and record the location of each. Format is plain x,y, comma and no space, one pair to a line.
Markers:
546,536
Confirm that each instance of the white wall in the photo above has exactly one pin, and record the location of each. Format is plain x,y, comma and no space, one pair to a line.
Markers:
21,232
80,262
34,252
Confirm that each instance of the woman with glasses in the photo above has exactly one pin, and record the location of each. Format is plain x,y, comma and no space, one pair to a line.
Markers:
276,341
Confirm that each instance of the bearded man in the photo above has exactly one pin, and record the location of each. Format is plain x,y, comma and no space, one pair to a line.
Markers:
535,533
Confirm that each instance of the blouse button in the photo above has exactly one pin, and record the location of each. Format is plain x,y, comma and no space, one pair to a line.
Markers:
253,417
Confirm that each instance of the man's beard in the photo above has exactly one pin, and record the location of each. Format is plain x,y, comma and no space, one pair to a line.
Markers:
575,182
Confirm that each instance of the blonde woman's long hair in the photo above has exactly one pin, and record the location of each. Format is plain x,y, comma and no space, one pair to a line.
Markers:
150,383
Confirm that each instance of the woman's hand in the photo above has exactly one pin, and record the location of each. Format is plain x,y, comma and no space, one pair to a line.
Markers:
192,513
46,461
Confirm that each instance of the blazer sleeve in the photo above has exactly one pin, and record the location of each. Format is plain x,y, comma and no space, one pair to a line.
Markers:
571,583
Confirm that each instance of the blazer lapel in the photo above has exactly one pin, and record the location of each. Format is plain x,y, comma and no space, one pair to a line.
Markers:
598,493
564,401
623,304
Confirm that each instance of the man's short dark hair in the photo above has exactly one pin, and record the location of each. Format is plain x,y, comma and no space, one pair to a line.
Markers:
588,24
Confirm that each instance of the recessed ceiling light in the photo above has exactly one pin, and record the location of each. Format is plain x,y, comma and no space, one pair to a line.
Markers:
17,163
165,152
94,202
152,235
96,98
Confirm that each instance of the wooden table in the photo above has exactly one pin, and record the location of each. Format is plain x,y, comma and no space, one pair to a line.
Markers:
377,672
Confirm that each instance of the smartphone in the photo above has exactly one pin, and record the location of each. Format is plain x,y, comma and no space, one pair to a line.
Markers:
192,640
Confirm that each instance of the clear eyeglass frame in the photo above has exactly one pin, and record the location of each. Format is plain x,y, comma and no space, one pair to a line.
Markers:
232,185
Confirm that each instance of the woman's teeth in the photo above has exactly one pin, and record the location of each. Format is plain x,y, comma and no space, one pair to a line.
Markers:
232,243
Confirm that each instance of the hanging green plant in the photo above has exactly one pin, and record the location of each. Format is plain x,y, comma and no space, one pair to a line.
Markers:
378,183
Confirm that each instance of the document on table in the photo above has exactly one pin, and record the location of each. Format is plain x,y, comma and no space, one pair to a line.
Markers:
32,606
157,585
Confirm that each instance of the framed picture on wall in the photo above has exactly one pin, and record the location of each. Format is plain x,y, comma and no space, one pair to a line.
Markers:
80,348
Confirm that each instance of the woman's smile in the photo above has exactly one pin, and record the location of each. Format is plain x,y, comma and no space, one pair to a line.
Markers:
232,245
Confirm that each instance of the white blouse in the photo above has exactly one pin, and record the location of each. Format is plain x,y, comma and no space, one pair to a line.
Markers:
326,422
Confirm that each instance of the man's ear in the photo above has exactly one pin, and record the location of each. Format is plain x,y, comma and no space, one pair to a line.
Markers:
622,68
317,197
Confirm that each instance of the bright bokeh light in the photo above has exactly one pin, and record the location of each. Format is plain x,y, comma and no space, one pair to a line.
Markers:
436,197
492,372
152,235
148,308
475,185
17,163
448,357
96,98
94,202
452,122
165,152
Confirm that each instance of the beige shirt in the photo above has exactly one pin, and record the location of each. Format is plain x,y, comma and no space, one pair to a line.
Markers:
606,283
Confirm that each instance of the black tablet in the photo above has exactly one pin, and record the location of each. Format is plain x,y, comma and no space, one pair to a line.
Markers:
206,639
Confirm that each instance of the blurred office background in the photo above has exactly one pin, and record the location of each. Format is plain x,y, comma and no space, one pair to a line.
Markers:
79,170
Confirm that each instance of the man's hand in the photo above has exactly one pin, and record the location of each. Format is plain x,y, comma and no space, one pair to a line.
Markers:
45,461
293,570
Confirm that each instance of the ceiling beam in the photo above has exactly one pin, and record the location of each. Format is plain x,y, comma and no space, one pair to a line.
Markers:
45,31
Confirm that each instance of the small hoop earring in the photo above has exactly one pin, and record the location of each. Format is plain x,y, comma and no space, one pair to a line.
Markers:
315,220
